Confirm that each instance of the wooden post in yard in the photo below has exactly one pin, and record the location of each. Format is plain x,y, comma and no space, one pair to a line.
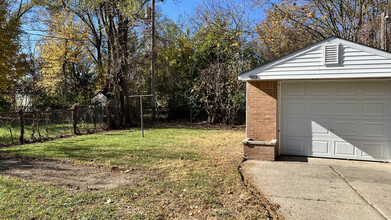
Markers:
74,118
141,111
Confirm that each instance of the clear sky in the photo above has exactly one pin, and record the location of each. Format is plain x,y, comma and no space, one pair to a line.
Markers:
174,8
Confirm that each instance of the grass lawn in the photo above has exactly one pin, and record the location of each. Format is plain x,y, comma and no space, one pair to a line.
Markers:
189,172
54,130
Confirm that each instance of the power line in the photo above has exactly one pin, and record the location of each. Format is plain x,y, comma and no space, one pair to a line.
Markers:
45,36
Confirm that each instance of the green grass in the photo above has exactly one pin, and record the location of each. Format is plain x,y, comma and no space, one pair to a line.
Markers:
54,130
190,172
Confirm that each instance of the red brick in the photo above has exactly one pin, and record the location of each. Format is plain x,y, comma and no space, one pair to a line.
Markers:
262,118
259,152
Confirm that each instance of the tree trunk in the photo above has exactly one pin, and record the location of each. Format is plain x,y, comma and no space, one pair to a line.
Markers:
124,71
74,109
109,118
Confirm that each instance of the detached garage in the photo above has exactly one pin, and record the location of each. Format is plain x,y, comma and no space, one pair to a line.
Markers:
331,99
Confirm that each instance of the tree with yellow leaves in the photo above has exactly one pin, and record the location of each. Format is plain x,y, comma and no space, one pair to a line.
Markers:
12,65
64,53
278,36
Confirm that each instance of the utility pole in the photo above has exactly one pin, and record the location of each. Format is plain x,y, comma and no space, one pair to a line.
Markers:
384,29
153,100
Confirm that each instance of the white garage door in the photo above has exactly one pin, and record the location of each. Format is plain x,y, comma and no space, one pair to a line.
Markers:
337,119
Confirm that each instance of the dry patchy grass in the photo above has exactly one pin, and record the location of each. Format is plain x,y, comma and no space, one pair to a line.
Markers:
188,173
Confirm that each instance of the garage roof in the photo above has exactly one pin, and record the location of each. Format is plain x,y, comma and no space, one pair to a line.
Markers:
331,58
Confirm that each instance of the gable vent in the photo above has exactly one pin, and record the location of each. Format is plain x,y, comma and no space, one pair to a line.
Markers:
331,54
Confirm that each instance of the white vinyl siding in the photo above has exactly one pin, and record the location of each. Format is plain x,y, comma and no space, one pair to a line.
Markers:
310,65
355,61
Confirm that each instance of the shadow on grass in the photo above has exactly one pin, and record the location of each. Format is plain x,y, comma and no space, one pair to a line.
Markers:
194,126
132,155
54,131
9,163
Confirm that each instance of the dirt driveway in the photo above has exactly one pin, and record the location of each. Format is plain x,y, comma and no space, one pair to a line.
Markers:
313,188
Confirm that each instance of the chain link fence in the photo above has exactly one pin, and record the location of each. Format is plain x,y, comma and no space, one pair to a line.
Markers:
28,126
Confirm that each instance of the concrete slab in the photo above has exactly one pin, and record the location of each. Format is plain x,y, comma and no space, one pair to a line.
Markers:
372,182
324,188
309,209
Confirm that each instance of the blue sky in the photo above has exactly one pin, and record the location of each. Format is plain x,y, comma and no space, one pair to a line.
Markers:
174,8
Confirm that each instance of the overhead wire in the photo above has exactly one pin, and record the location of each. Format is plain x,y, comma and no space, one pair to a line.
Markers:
44,36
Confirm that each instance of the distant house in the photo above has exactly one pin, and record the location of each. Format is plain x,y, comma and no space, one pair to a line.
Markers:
23,101
331,99
99,99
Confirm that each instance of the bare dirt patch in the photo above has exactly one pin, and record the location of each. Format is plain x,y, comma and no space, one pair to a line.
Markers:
70,175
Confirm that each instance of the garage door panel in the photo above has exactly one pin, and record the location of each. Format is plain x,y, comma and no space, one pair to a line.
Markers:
374,130
319,127
295,108
320,89
346,89
336,119
345,129
374,89
344,148
320,108
374,109
320,147
346,108
296,127
295,89
295,145
373,150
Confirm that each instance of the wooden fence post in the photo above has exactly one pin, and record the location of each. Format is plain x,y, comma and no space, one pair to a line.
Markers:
74,118
191,115
47,118
39,115
92,115
33,126
108,113
12,137
21,138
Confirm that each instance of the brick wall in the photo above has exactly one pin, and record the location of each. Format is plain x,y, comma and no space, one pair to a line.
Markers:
259,152
262,110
